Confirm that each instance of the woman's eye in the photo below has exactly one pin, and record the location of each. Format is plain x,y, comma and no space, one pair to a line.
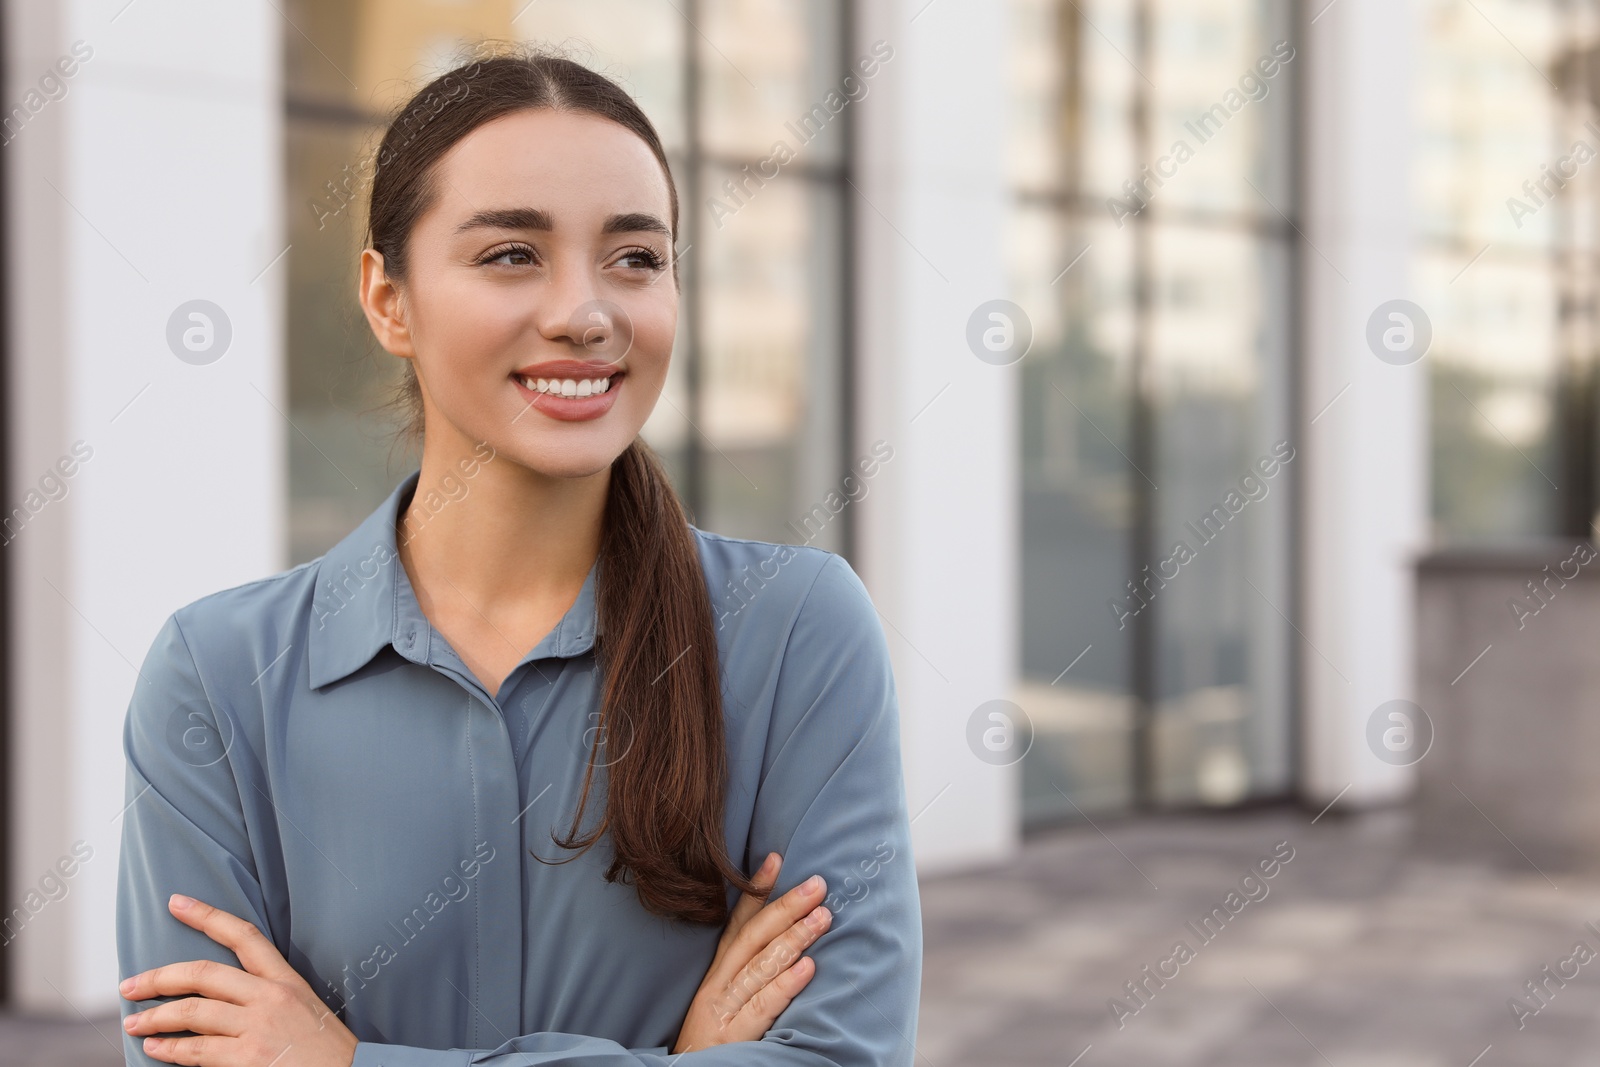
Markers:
516,256
642,259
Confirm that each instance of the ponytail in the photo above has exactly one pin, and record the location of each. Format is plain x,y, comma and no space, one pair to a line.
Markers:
661,709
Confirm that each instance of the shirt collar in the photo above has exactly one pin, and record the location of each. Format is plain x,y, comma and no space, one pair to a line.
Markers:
363,601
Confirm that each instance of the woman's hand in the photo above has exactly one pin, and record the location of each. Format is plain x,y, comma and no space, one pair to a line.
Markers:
245,1018
758,968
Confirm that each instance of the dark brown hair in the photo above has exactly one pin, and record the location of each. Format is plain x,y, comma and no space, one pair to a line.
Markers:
661,704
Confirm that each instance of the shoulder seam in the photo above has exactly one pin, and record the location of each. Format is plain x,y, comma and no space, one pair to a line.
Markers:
713,536
194,663
815,578
252,583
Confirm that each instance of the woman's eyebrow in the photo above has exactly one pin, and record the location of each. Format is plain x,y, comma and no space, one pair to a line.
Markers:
511,218
636,222
532,218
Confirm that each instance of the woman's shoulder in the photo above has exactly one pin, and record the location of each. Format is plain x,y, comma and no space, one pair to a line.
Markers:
254,601
208,664
798,633
767,588
722,553
219,626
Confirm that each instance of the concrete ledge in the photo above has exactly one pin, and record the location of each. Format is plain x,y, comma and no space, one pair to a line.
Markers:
1509,676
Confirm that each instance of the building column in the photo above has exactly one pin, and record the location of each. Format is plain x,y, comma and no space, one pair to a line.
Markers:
938,535
1363,395
146,452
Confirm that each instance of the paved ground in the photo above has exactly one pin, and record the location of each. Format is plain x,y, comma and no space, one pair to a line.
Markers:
1363,952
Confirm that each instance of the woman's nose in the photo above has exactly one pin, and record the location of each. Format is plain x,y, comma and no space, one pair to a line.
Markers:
603,328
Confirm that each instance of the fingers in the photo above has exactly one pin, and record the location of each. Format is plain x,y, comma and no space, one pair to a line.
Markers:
258,954
752,987
765,878
773,919
771,999
208,978
193,1050
758,967
199,1014
756,1018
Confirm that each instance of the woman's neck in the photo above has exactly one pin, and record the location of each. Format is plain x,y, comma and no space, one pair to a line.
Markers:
495,533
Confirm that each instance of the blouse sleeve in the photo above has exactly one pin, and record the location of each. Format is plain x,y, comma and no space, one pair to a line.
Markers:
832,801
183,829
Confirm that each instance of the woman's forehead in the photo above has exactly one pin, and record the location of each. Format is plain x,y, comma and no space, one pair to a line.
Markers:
565,163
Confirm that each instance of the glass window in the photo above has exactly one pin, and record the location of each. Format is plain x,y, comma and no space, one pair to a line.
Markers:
1150,247
1505,201
1220,522
1077,509
770,386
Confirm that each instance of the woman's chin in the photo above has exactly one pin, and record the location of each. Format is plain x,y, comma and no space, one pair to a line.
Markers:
567,459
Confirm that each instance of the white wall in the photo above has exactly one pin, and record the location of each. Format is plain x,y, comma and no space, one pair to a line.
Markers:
1366,454
939,532
155,180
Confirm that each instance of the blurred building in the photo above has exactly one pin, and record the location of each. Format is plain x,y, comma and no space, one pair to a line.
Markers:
1147,533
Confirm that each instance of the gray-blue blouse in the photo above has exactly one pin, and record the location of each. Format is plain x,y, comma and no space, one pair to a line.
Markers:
307,752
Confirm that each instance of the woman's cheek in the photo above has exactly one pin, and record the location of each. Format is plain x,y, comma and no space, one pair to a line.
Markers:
648,350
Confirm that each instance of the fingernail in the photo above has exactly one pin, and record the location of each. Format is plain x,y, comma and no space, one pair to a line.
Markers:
818,916
768,863
151,1044
130,1022
814,883
180,901
126,986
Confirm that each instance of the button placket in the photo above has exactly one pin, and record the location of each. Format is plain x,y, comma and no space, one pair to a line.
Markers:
494,781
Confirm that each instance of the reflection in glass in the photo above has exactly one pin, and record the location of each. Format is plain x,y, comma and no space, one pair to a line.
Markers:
340,462
1077,512
1507,268
1167,343
769,67
1072,97
1221,75
1221,524
769,407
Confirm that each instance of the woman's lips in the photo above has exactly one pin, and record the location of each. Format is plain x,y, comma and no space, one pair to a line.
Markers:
570,408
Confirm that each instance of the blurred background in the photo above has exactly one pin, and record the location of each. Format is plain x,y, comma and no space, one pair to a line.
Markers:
1235,366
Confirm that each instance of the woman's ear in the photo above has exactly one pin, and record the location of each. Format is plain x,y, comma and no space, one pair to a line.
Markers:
384,306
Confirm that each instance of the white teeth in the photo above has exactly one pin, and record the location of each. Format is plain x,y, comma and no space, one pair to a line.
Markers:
567,386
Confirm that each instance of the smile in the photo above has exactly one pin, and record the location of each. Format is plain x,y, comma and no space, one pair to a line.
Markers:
583,396
566,386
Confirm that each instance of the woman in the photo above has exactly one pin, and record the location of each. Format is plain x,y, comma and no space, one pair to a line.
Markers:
487,776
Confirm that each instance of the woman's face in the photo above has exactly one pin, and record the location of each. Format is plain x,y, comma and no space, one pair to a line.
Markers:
539,304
